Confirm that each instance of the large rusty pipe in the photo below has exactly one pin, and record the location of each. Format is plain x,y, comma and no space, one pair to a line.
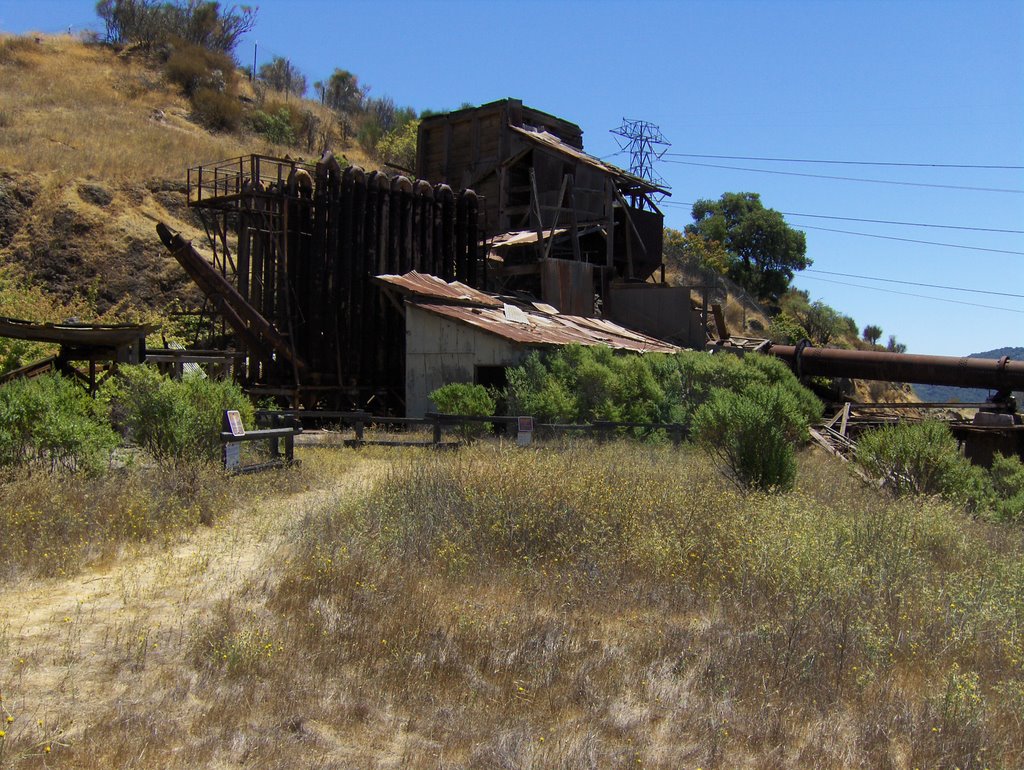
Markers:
1001,374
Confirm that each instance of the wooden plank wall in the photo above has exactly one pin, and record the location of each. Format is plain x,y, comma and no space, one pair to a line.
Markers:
312,253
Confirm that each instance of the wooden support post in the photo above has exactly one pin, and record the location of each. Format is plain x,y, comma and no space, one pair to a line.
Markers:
704,308
723,330
677,435
554,225
573,219
535,205
610,235
436,420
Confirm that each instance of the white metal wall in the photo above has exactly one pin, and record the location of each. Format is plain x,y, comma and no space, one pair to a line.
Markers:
439,350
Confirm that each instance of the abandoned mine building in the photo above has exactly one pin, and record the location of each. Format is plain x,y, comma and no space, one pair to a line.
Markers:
559,224
348,289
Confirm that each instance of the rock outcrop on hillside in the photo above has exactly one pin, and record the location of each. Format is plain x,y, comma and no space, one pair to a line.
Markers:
95,239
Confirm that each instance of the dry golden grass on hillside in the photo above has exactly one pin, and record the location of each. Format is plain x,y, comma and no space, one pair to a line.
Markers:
571,607
83,111
94,149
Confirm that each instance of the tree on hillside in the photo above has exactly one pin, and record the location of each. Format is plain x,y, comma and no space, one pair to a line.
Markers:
822,323
381,117
689,252
154,22
764,251
341,92
872,333
281,75
398,147
895,347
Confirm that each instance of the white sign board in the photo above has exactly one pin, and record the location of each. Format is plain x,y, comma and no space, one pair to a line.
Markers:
232,456
235,422
524,436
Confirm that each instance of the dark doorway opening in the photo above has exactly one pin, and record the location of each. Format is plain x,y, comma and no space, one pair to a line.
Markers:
495,378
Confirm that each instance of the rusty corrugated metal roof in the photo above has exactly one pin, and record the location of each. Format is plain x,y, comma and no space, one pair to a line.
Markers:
523,237
542,329
423,285
533,323
553,142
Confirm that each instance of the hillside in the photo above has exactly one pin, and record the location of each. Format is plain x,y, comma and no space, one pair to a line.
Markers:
94,149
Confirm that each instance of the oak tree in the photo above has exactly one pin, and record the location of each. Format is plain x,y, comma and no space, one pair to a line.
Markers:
764,251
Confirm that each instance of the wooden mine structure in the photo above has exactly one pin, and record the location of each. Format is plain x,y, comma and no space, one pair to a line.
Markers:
295,247
100,347
560,224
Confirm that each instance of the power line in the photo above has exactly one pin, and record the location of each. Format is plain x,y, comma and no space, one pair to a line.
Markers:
905,224
849,178
919,296
845,162
915,283
883,221
896,238
913,240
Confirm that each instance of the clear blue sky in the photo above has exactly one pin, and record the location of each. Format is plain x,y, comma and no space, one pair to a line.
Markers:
898,82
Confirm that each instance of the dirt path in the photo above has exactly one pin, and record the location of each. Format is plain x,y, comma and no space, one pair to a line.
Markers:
73,646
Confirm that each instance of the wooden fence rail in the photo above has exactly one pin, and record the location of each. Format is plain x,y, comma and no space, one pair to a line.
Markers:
279,457
602,430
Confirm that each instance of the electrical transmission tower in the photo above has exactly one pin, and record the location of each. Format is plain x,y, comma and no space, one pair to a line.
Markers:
646,144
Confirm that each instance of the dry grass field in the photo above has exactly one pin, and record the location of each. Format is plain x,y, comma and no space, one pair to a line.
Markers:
573,606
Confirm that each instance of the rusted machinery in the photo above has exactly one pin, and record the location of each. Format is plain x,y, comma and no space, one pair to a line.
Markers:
295,248
995,428
1002,375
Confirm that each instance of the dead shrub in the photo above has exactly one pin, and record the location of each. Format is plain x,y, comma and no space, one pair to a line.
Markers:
192,67
13,50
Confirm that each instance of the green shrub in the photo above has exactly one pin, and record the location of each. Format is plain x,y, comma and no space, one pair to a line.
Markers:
51,422
174,419
775,371
1007,476
582,384
465,399
534,391
787,330
276,125
921,459
398,146
752,434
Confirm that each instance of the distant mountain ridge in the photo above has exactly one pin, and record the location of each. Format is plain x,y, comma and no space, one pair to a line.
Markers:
948,393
